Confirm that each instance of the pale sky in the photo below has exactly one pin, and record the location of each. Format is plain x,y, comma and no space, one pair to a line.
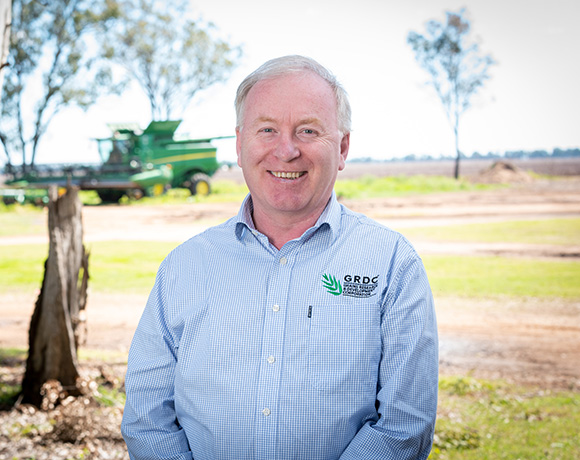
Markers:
531,102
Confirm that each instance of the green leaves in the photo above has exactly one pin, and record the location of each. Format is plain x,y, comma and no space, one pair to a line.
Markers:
456,67
170,55
53,62
331,284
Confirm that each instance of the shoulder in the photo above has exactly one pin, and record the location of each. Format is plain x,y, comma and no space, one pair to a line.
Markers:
220,238
362,227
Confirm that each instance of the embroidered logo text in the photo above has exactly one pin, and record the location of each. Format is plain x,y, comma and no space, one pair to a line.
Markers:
351,285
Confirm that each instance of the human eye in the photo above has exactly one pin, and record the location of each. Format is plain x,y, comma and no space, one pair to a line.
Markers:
307,132
266,129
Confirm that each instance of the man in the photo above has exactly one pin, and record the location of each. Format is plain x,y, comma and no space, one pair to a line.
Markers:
298,329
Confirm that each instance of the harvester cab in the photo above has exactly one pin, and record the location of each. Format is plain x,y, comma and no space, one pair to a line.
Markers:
117,150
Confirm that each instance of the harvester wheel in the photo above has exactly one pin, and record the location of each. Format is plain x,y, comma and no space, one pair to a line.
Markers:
136,193
199,184
110,196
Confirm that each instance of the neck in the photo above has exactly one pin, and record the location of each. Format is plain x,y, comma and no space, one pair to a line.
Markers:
282,229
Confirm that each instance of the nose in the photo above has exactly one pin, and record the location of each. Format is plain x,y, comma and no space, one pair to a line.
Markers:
287,148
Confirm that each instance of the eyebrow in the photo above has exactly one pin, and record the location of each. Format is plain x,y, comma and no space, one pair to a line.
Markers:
265,119
305,121
309,121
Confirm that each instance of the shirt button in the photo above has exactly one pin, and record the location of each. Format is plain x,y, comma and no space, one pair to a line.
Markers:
276,308
271,359
265,412
283,261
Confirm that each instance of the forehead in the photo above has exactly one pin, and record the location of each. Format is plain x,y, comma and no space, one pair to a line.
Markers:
304,92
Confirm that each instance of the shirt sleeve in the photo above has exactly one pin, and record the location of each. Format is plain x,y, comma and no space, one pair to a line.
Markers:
408,373
150,426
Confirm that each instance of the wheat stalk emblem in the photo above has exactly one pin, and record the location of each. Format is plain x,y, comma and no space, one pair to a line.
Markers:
331,284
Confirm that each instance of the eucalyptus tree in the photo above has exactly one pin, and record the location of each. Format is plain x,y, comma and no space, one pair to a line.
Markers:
456,66
52,63
170,55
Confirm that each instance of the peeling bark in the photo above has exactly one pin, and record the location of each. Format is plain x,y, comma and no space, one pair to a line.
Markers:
56,326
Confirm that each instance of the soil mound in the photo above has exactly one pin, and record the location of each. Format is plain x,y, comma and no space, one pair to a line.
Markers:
503,172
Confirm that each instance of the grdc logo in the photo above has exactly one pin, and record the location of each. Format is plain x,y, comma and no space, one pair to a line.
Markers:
361,279
351,286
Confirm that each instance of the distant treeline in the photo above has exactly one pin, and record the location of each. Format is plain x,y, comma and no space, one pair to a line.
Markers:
515,154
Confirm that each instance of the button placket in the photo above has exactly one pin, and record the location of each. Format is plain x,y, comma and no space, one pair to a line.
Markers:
272,358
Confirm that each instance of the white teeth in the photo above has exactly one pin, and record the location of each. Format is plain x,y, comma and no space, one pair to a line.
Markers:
287,175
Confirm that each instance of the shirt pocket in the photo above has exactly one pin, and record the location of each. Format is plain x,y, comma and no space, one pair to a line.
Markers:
344,347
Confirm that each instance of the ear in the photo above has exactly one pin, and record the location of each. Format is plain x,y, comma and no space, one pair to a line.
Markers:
344,146
239,144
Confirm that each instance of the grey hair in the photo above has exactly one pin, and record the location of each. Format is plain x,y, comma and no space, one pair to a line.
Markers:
294,64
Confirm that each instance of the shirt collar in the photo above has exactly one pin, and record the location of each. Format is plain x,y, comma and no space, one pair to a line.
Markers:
329,217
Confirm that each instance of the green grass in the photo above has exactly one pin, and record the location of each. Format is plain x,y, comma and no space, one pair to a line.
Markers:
375,187
222,191
22,220
8,355
494,276
130,267
363,187
493,420
9,389
8,394
560,232
21,266
114,266
107,394
108,356
125,266
109,397
89,197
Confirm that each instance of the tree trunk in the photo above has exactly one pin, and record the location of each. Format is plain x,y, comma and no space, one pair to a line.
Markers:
457,152
5,23
56,325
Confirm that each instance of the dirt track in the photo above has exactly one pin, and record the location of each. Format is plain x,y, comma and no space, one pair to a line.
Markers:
528,341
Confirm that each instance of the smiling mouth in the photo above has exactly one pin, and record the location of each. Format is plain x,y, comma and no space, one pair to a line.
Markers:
287,175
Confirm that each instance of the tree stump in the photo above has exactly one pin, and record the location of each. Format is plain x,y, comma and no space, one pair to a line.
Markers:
56,325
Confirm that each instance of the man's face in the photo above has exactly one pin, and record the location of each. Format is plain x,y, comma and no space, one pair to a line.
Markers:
289,146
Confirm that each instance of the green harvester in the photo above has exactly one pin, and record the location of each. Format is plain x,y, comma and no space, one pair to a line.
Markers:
133,162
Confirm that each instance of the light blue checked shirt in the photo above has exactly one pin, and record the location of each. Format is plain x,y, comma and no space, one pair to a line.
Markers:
326,349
